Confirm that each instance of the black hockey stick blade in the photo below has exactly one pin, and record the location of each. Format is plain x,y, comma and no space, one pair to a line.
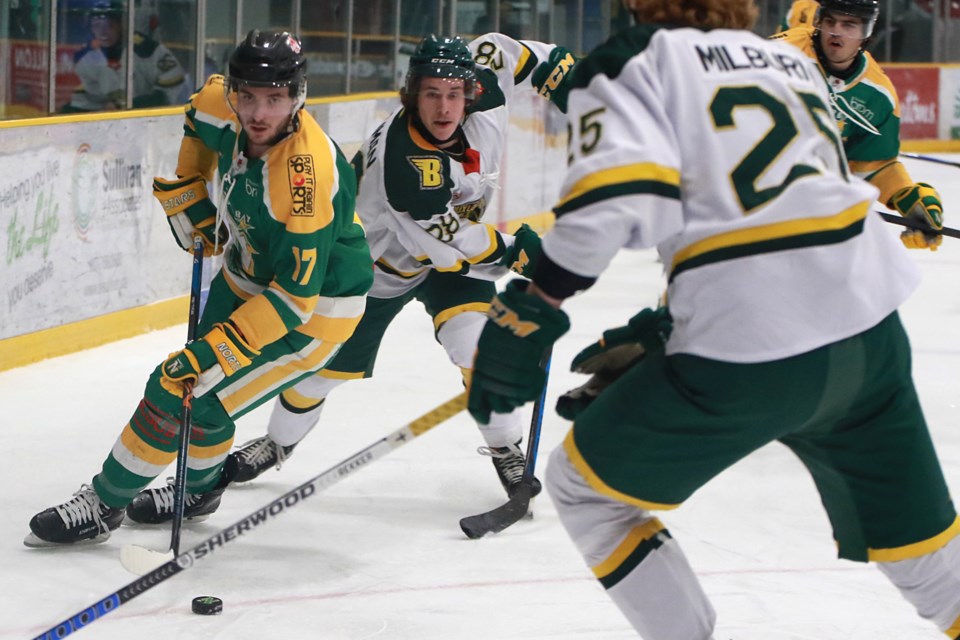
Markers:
507,514
515,508
917,224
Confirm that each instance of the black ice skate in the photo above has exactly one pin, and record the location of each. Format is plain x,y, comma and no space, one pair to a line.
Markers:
82,519
509,462
256,456
155,506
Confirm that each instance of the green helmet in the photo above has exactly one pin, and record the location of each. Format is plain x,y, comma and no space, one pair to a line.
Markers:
441,58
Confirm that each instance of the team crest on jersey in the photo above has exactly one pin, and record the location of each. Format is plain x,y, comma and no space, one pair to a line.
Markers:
430,169
472,211
302,184
167,63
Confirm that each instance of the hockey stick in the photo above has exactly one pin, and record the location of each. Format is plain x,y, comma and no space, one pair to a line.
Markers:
917,156
516,507
913,223
134,557
180,480
290,499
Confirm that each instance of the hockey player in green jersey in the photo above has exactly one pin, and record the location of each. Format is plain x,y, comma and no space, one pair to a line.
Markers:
292,289
801,13
867,109
426,176
693,135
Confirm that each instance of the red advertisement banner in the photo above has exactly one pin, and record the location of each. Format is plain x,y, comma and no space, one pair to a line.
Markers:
919,92
27,77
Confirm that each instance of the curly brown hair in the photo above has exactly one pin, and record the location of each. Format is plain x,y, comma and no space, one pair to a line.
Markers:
709,14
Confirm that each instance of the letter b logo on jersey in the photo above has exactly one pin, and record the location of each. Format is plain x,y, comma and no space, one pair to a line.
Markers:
430,169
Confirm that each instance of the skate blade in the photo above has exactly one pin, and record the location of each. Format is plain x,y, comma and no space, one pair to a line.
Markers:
134,524
32,541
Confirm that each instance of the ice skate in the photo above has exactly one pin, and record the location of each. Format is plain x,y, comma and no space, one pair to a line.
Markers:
155,506
82,519
509,462
256,456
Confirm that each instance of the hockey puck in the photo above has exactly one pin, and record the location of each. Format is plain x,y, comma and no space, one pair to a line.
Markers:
207,605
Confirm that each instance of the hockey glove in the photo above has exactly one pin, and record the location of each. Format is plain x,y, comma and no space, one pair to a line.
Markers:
189,211
523,256
552,79
612,355
506,368
205,362
920,202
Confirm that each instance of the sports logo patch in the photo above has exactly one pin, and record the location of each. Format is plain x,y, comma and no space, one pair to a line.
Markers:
472,211
302,184
430,169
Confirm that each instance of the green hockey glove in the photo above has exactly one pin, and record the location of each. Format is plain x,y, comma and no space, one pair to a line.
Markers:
523,256
611,356
189,211
552,79
205,362
920,202
506,369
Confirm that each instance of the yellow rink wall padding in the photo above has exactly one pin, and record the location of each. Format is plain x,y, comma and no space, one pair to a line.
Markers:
84,334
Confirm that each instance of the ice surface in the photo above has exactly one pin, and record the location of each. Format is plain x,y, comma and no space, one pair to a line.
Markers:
380,555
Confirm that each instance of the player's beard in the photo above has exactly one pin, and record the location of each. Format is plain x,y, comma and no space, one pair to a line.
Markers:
261,133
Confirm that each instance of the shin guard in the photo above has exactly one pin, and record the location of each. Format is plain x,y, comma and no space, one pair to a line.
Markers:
633,556
931,583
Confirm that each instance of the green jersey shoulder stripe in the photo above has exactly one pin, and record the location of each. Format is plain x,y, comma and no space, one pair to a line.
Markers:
527,64
491,95
631,187
609,58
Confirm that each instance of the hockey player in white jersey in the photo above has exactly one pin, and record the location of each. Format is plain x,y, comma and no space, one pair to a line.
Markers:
425,177
695,136
158,78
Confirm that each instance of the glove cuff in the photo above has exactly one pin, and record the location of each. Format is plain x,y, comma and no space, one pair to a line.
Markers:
652,327
177,196
528,316
224,345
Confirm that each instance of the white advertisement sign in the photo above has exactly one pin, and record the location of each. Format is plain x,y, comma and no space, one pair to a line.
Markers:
80,231
82,236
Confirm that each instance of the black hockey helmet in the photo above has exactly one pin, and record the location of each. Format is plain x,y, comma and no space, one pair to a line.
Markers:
439,57
89,9
269,59
867,10
106,9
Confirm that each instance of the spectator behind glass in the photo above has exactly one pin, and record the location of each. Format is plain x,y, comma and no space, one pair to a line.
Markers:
158,78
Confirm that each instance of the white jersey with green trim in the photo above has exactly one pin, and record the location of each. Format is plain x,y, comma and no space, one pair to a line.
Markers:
158,78
422,207
720,149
